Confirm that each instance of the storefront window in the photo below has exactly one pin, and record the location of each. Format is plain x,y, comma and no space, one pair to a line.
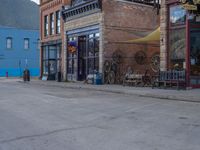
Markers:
52,52
195,57
52,66
71,55
177,47
177,15
50,60
85,60
91,48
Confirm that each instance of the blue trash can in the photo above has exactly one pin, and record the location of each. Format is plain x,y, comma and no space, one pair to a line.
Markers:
98,79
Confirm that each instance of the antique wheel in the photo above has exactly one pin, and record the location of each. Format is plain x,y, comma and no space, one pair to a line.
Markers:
117,57
107,66
114,67
106,81
111,77
140,57
155,62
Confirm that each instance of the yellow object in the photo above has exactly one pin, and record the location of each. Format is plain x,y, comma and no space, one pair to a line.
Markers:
152,37
189,6
196,1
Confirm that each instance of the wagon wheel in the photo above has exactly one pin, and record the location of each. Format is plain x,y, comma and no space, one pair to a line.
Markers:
155,62
114,67
119,75
111,77
106,81
140,57
107,66
117,57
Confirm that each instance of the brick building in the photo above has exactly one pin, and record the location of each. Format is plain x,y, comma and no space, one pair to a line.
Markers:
96,33
51,35
180,38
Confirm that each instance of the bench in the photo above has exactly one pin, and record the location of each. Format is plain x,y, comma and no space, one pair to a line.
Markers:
133,79
171,78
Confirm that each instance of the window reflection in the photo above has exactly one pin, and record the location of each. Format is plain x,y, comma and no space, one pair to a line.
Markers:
177,47
177,15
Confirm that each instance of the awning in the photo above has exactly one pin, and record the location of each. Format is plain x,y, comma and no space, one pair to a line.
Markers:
152,37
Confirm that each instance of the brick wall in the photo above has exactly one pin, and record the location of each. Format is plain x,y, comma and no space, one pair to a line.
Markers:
82,22
46,8
124,21
120,21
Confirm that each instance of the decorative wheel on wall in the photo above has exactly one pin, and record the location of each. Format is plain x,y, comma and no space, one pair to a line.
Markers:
140,57
117,57
107,66
106,78
155,62
114,67
111,77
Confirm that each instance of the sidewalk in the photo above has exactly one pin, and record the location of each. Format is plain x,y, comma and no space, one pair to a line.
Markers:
181,95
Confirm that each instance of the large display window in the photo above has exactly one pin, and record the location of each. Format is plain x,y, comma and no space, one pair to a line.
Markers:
177,37
195,57
82,56
177,47
51,61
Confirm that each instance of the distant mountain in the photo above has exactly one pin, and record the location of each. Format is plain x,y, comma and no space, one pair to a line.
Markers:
22,14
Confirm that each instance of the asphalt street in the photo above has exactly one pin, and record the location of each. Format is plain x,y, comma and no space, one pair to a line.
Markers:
36,117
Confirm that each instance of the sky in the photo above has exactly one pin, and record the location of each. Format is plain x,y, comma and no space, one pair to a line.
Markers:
37,1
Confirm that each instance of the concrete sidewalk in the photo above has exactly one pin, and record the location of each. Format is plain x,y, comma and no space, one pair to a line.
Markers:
181,95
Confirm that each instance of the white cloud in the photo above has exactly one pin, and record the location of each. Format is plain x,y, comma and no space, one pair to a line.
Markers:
37,1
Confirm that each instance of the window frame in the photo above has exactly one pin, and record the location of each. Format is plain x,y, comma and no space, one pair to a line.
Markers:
52,26
46,25
10,43
26,45
58,22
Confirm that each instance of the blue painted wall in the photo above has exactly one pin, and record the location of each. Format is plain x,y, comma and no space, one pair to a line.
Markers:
16,59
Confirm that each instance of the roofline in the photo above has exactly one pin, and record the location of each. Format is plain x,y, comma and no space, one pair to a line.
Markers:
10,27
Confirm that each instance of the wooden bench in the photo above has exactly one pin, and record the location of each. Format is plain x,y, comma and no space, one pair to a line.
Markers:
133,79
171,78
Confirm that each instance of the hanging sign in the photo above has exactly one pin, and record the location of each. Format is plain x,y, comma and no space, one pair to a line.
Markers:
189,6
72,47
190,1
196,1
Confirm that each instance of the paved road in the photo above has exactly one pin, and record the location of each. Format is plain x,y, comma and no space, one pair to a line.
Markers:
35,117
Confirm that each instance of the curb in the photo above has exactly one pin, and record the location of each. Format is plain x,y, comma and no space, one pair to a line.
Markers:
116,91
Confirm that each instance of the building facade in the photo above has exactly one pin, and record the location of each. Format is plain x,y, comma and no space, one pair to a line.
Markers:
19,38
97,34
51,35
180,38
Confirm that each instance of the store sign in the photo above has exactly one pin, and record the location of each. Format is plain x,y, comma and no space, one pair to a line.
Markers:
191,5
72,47
196,1
190,1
